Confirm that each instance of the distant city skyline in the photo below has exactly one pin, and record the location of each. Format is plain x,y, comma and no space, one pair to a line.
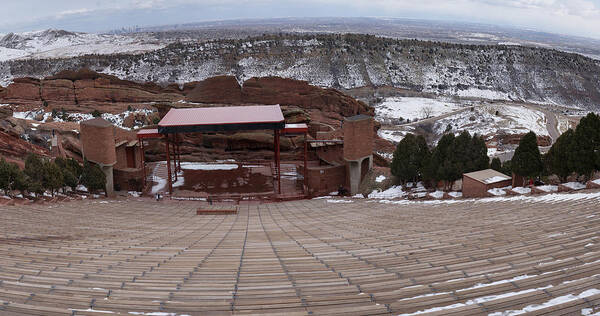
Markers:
569,17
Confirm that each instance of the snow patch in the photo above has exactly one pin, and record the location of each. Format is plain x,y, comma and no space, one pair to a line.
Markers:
207,166
437,194
548,188
396,108
339,201
574,185
555,301
499,191
391,193
495,179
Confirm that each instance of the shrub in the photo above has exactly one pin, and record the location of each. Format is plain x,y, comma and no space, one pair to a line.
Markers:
96,113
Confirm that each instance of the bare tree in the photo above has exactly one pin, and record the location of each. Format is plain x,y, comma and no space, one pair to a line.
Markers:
427,111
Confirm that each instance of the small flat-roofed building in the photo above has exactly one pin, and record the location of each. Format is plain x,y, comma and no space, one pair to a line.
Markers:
477,184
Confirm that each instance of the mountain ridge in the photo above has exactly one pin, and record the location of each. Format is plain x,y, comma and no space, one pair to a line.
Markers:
350,61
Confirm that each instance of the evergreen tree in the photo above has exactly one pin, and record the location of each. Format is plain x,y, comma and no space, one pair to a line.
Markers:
69,179
507,168
557,158
5,176
527,161
74,167
21,182
409,158
35,187
71,171
584,151
34,168
53,177
438,166
496,164
92,177
478,154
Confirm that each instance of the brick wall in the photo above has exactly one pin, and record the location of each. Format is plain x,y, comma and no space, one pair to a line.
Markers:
358,137
473,188
325,179
121,154
128,179
331,154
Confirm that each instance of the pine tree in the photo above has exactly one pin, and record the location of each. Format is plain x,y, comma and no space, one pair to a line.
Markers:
558,156
409,158
92,177
584,151
5,176
527,161
21,182
507,167
34,168
34,172
53,177
438,166
496,164
478,154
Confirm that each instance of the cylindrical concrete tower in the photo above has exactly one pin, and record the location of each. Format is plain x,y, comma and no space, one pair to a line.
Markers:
98,146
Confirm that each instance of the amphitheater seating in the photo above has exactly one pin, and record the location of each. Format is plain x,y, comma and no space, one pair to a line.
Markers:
362,257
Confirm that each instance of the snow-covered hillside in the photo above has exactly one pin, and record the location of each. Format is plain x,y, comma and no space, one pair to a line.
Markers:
402,109
495,119
59,44
331,60
481,119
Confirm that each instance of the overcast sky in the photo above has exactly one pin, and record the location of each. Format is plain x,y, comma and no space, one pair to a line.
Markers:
573,17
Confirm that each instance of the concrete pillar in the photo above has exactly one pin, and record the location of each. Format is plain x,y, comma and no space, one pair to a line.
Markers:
110,186
354,172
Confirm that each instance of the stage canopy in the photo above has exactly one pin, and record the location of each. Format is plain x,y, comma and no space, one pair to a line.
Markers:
217,119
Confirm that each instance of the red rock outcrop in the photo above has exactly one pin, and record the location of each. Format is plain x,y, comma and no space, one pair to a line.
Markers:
84,91
273,90
15,149
24,89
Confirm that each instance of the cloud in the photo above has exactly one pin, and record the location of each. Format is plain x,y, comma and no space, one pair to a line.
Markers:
574,17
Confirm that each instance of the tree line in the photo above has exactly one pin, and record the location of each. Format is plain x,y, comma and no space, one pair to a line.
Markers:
42,174
574,152
446,162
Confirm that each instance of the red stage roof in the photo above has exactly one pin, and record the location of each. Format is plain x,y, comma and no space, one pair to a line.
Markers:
222,119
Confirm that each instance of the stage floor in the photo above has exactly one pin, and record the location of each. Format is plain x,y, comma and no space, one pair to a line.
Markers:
224,179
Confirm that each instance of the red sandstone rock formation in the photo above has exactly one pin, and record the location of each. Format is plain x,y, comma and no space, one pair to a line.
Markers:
15,149
84,91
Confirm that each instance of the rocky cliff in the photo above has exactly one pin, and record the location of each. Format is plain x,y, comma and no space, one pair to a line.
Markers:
353,61
74,95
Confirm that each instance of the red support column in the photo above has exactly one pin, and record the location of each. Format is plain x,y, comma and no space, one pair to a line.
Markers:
174,159
305,162
278,162
168,166
142,162
178,153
